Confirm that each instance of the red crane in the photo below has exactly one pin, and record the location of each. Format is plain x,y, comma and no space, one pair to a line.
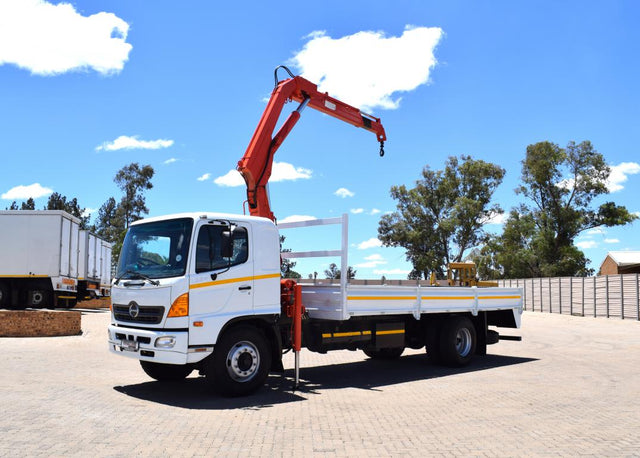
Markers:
255,165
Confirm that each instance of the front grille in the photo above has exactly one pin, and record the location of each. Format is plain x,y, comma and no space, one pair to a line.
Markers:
141,339
146,314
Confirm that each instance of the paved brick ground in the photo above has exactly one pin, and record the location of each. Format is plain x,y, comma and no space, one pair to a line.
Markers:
572,387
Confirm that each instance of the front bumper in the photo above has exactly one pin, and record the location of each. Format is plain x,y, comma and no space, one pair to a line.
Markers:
166,347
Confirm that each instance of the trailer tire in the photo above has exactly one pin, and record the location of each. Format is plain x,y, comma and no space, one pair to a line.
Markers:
385,353
4,295
457,341
240,362
166,372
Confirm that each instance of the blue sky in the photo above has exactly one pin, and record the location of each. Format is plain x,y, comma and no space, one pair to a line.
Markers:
91,86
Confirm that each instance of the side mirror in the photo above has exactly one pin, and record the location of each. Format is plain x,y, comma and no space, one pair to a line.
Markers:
226,239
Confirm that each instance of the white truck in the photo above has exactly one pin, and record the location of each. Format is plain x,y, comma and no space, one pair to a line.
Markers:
204,290
43,259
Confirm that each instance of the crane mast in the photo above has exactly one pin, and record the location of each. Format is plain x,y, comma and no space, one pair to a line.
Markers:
255,166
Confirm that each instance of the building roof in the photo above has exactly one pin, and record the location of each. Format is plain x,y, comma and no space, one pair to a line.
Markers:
625,258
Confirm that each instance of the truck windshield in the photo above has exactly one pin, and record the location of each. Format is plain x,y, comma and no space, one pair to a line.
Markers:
156,250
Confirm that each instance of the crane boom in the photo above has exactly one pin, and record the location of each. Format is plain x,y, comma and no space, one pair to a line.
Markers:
255,165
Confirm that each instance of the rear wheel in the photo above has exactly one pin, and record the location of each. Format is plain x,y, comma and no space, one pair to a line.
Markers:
166,372
457,341
240,362
432,341
385,353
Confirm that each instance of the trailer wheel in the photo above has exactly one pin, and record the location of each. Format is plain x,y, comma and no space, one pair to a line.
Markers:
457,341
166,372
4,295
385,353
240,362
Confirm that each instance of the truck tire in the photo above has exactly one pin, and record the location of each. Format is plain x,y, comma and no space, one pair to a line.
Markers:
457,341
240,362
385,353
432,341
166,372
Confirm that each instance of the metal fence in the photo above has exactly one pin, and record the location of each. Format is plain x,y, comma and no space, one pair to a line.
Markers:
611,296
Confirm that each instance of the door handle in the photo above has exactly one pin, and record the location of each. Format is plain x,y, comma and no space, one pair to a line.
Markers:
244,288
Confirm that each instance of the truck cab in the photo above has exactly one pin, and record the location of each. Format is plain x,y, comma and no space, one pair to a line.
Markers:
182,278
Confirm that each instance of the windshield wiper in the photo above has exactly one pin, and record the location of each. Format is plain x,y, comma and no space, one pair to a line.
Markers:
137,275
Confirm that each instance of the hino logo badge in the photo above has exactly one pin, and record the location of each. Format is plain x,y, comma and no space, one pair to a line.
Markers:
134,309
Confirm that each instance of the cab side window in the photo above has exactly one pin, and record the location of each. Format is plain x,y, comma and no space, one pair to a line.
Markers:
209,248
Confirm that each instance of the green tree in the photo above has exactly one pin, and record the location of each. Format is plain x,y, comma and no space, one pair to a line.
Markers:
443,216
113,217
59,202
286,265
133,180
110,225
30,204
333,273
513,251
561,184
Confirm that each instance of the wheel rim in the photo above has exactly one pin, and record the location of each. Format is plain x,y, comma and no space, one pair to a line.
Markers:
463,341
243,361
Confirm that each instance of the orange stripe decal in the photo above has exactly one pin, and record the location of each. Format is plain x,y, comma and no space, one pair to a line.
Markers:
232,280
381,298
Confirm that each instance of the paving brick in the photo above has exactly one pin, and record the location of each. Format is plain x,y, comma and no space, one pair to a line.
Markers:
570,388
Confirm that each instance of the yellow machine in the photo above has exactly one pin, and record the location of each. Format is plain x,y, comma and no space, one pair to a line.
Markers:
463,274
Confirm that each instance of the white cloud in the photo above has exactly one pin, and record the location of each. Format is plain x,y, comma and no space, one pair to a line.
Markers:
344,193
497,219
371,243
34,191
611,241
586,244
231,179
369,69
296,219
170,161
374,211
49,39
391,272
596,231
126,142
283,171
357,211
204,177
89,211
374,260
280,171
620,174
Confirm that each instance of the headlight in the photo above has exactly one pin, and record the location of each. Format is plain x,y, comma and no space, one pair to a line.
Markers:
165,342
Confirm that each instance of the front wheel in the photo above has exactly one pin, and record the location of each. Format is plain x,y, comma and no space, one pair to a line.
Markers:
166,372
240,362
457,341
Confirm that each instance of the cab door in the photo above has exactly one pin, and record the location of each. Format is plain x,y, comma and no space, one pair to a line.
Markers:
221,286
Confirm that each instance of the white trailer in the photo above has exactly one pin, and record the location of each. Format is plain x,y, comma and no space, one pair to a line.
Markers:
39,258
89,262
204,291
105,268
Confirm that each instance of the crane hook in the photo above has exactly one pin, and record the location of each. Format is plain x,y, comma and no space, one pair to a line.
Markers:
381,148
